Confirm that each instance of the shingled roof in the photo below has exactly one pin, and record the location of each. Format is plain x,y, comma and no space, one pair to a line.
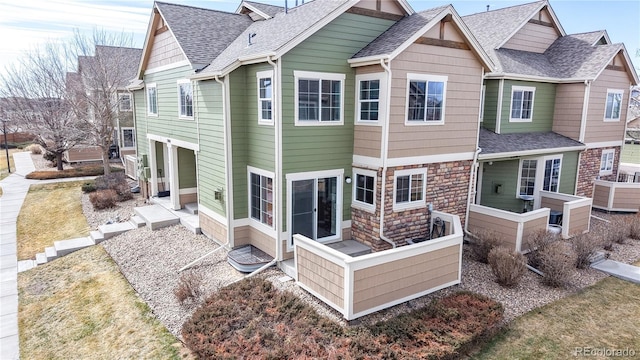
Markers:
493,144
203,34
398,33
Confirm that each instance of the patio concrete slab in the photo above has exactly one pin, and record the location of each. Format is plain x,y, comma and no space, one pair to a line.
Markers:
351,247
64,247
156,216
619,270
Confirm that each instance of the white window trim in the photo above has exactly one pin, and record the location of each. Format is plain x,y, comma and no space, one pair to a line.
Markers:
133,131
483,94
121,94
602,157
426,78
297,74
359,204
613,91
533,99
185,81
263,75
382,77
410,204
146,92
269,174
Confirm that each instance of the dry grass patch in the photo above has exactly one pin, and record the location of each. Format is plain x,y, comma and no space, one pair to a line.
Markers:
81,307
601,316
4,171
86,170
50,212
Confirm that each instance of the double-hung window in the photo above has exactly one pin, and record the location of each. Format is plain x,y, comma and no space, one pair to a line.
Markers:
124,102
606,161
522,103
369,97
261,198
265,97
409,189
426,98
552,174
185,99
319,98
152,99
527,177
614,105
128,138
364,189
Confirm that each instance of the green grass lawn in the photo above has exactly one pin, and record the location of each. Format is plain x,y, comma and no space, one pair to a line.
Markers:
605,315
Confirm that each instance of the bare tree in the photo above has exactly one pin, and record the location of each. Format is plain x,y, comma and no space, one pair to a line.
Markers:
34,88
96,92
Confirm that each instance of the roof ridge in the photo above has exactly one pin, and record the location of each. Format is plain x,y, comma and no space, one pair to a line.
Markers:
434,8
198,8
588,32
506,8
119,47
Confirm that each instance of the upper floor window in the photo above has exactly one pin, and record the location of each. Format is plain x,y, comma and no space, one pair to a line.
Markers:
522,103
369,98
606,161
364,188
319,98
261,201
185,99
409,189
614,105
124,102
128,137
152,99
265,97
426,96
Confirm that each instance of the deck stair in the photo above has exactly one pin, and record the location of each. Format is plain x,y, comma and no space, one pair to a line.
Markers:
191,208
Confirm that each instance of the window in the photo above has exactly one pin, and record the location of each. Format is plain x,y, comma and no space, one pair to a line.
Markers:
265,97
364,189
527,177
261,201
606,161
128,137
522,103
426,98
614,105
369,98
124,102
551,174
318,98
409,189
185,99
152,100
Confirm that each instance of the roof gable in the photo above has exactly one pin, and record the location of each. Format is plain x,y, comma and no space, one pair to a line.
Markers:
258,11
542,25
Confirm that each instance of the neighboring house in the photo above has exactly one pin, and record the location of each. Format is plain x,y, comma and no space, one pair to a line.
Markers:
121,64
555,107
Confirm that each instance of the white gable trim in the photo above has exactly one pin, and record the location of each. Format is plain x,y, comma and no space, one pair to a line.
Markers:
407,8
556,23
252,8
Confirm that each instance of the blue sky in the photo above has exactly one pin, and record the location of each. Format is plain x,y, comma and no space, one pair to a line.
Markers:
27,23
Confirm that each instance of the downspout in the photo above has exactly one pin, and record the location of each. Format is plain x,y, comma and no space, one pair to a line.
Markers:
227,144
472,183
277,150
383,150
583,128
196,116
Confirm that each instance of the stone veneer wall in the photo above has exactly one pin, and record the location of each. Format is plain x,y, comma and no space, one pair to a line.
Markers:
589,169
447,188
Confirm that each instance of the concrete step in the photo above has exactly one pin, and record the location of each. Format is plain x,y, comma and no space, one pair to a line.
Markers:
137,221
191,208
65,247
50,253
598,257
111,230
191,223
97,236
41,258
24,265
156,216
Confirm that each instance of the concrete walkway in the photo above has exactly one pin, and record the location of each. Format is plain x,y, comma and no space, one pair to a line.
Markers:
14,190
619,270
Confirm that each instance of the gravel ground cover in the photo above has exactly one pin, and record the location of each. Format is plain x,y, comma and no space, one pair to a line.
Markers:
150,260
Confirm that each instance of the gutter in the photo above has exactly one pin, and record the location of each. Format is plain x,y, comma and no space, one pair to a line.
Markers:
227,162
384,145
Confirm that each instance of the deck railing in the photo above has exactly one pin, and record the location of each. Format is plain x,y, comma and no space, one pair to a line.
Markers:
357,286
616,196
576,211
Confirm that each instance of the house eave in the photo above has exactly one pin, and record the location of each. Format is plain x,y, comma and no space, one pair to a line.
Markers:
523,77
519,154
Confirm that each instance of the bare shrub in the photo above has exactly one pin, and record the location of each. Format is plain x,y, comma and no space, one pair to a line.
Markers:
189,287
585,247
537,242
557,263
34,149
103,199
117,182
507,265
484,241
618,230
634,227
